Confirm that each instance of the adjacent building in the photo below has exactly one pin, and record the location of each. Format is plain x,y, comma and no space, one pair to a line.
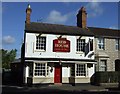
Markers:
107,49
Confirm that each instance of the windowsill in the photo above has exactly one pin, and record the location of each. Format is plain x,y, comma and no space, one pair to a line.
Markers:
41,77
81,77
39,50
80,52
117,50
101,49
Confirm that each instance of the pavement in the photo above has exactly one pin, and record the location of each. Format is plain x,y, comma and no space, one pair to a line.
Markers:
60,89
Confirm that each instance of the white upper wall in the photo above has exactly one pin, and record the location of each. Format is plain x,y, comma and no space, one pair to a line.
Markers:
31,52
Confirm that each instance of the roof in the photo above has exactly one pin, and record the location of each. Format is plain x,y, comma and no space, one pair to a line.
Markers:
105,32
46,28
17,60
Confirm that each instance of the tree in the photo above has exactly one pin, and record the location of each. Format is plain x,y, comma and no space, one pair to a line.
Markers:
7,57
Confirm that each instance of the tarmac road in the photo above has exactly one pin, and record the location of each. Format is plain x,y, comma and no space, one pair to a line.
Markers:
53,89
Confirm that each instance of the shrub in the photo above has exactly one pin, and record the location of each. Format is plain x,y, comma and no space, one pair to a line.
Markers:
105,77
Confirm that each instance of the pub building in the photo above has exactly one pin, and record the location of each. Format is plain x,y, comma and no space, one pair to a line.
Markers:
57,54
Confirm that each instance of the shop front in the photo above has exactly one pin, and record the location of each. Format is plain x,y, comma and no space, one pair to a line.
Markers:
59,72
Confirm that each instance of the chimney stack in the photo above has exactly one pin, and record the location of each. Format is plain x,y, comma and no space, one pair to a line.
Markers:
28,12
82,18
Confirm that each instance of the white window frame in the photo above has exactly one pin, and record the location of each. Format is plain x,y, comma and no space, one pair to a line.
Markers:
117,44
103,66
46,70
101,43
85,70
40,44
80,45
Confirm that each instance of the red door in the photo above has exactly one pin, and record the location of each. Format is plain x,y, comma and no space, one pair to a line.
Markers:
58,74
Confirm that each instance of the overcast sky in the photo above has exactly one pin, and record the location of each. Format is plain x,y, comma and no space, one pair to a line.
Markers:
104,15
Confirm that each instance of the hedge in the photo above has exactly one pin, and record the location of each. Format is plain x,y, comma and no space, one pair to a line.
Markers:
105,77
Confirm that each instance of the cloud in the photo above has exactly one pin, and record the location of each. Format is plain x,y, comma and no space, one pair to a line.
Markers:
56,17
8,40
113,27
94,8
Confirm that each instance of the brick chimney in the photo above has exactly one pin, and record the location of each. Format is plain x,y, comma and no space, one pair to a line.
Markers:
28,12
82,18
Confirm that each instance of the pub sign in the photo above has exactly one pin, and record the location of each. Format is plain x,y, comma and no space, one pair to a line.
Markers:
61,45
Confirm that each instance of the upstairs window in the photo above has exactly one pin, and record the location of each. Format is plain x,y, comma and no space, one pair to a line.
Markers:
41,43
80,45
101,43
116,44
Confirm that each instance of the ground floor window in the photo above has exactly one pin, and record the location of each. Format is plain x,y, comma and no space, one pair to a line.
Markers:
103,65
80,70
41,69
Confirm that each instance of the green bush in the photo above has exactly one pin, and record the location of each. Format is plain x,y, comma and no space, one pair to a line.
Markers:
106,77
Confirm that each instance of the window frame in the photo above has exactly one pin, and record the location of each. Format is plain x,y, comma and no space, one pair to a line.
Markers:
79,46
85,71
103,66
117,44
102,43
40,36
46,70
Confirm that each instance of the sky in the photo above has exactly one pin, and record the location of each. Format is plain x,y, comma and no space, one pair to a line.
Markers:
99,14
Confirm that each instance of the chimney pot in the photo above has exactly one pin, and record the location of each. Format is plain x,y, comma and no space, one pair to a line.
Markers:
28,13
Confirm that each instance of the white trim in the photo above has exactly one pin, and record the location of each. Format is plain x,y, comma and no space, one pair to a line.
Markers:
75,69
86,70
79,62
101,43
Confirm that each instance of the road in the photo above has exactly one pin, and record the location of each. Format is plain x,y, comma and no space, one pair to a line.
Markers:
52,89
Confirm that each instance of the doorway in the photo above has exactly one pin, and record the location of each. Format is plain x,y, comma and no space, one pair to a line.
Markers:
58,74
117,65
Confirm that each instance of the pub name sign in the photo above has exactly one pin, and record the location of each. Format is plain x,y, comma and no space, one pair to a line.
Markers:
61,45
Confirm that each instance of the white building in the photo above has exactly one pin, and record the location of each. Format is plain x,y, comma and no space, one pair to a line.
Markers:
54,53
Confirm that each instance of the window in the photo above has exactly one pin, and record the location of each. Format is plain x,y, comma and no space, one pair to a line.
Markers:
117,44
101,43
80,45
103,66
40,43
80,70
41,69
